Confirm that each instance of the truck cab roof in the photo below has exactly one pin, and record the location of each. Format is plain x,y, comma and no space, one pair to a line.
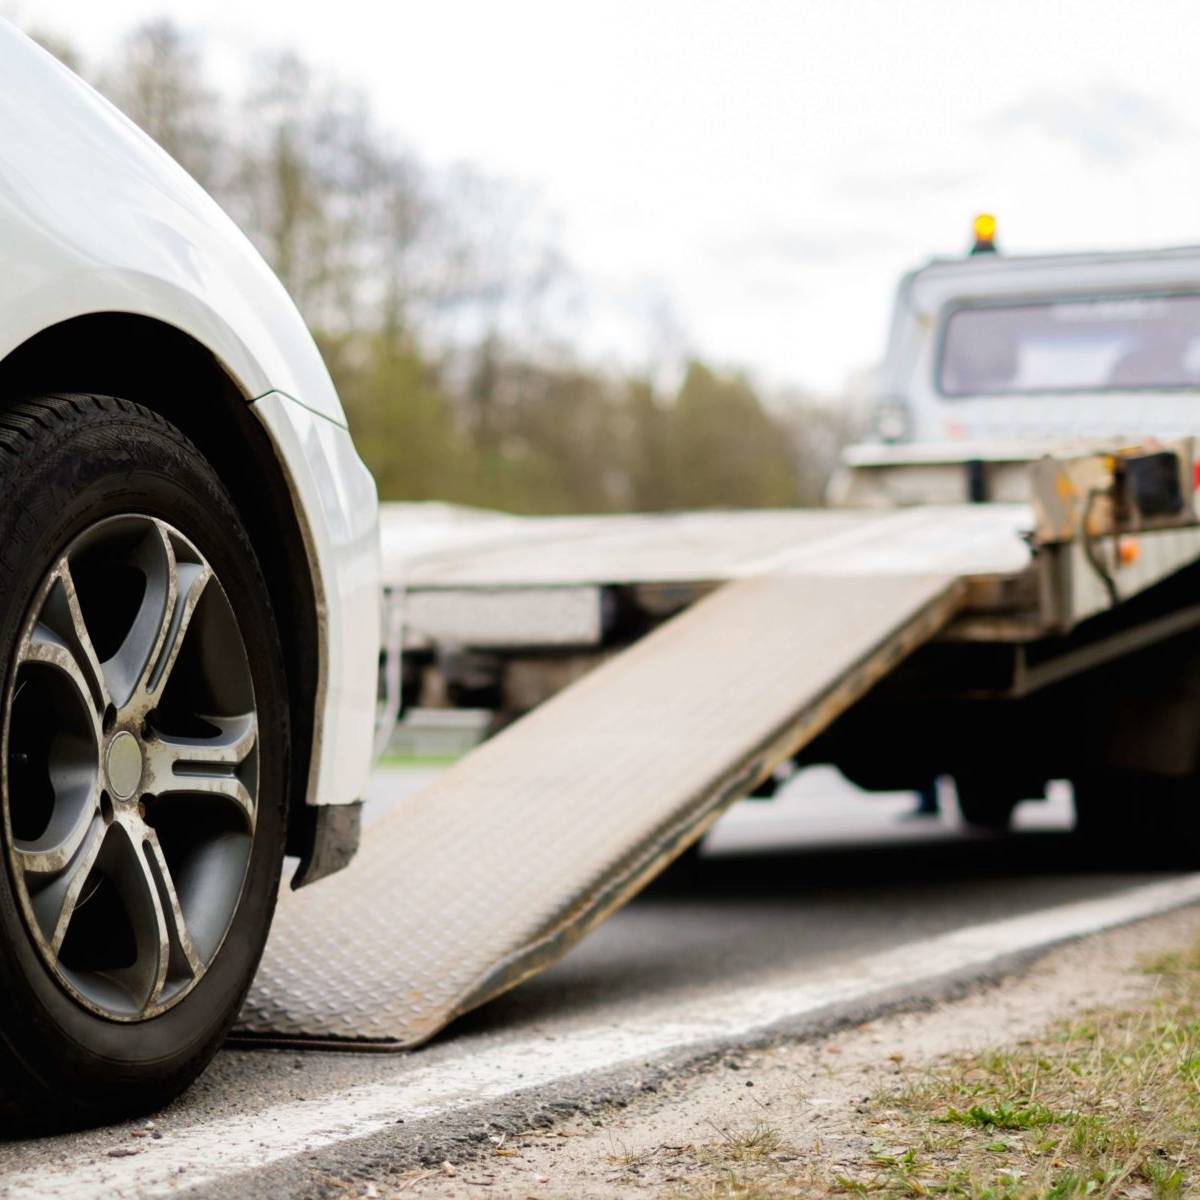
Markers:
1044,347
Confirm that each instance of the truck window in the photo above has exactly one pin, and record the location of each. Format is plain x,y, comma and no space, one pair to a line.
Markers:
1108,344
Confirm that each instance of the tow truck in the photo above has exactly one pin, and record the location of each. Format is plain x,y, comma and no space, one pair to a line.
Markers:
1003,590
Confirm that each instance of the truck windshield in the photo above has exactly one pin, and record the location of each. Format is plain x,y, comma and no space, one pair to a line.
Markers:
1105,344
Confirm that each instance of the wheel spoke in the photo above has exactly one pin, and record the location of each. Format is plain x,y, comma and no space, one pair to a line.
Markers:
62,616
190,582
143,881
69,826
204,766
55,904
128,870
71,767
141,666
44,647
181,953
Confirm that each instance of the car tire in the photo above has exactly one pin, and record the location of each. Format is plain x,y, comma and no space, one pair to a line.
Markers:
150,755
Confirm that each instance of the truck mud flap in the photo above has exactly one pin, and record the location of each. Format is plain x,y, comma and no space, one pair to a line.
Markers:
495,870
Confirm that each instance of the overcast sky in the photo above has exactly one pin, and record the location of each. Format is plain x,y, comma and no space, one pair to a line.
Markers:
768,166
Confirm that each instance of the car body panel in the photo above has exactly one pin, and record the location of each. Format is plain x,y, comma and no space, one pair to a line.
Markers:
333,485
96,218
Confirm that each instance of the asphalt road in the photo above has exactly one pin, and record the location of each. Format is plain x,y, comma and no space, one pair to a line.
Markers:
818,880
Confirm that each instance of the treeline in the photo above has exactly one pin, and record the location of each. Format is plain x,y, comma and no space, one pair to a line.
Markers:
433,295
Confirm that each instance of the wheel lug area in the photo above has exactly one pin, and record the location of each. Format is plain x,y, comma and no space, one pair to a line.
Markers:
107,813
109,720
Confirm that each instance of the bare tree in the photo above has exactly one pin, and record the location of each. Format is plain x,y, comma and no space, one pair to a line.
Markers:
158,79
62,49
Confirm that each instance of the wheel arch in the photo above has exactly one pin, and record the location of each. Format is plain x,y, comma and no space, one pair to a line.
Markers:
130,355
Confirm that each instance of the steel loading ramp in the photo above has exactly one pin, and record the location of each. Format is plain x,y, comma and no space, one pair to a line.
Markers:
498,868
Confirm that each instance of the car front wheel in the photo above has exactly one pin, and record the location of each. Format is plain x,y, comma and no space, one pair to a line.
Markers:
143,751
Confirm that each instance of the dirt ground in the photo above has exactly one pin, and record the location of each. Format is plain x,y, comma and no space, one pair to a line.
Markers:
803,1103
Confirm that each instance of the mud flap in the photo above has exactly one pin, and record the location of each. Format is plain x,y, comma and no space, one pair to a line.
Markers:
494,871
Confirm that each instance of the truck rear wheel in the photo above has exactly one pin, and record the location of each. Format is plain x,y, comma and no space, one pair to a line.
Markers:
1131,819
986,803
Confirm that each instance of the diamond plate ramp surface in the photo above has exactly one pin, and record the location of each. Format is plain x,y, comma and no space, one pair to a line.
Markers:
497,868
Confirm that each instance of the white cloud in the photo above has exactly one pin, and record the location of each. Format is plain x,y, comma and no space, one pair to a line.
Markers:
1105,123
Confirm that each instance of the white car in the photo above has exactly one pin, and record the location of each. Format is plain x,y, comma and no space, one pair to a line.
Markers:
189,607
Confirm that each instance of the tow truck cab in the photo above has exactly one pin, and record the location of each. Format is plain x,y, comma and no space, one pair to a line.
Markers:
993,359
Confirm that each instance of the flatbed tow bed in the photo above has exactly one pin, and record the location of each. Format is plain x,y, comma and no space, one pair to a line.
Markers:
719,646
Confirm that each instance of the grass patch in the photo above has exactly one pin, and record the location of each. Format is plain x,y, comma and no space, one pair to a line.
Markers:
1104,1107
1175,962
413,760
1005,1115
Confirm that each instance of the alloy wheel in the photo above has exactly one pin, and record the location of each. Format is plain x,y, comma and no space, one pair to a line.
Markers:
130,767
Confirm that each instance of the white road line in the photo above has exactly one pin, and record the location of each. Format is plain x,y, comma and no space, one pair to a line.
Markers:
218,1149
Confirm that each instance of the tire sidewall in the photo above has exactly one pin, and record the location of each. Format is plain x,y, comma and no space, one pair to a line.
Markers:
121,463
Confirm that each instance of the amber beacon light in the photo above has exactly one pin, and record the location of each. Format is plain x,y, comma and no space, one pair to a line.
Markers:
985,234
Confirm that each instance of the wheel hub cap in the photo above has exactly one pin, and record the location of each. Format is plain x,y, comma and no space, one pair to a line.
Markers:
123,765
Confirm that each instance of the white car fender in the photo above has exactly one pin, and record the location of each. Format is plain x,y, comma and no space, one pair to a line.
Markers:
96,218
